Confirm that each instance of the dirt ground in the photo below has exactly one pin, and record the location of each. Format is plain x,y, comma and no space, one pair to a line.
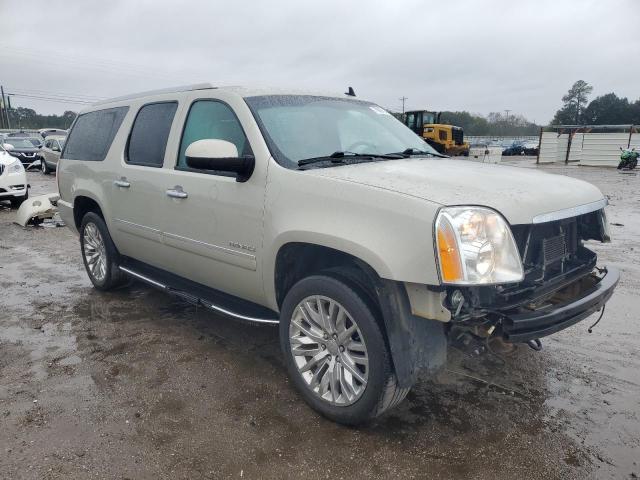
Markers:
135,384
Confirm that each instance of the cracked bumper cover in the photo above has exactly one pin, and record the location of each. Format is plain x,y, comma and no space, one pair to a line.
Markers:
522,327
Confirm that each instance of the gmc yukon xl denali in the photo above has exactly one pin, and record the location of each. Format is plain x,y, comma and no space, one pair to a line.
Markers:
324,214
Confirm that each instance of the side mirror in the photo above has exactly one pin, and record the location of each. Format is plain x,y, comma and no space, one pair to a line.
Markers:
213,154
7,146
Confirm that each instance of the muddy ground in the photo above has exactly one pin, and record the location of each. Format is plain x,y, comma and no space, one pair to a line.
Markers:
136,384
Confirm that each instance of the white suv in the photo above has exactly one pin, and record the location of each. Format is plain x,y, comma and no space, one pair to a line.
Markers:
324,214
13,178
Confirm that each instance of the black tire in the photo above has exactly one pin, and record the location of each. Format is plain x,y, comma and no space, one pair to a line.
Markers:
113,277
17,201
44,168
381,392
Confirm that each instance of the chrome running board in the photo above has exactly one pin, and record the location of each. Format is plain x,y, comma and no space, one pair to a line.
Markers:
197,299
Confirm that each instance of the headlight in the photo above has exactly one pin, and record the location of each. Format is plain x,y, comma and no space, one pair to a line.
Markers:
475,246
15,167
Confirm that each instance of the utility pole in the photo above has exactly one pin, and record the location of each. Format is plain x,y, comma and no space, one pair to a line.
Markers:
402,99
6,110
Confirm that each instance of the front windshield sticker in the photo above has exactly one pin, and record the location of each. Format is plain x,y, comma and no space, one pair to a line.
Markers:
378,110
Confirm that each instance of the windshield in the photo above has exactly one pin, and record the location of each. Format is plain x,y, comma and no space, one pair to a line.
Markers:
299,127
19,142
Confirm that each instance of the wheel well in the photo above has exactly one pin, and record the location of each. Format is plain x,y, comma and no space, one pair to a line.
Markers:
298,260
82,206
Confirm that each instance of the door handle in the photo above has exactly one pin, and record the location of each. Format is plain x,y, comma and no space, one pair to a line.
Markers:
177,192
122,183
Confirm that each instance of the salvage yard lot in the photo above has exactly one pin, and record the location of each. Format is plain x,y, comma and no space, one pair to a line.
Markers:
137,384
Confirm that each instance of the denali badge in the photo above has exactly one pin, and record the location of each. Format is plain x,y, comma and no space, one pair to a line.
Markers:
249,248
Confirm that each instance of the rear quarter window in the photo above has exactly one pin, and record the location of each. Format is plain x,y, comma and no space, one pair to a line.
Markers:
92,134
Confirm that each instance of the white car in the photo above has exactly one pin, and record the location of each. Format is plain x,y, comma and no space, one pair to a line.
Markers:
13,179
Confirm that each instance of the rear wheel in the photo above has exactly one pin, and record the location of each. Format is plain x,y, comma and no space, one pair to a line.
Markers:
43,167
335,351
99,254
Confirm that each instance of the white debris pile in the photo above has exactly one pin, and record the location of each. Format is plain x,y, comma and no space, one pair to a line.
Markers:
40,210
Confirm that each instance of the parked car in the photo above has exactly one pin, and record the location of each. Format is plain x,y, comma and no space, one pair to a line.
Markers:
24,148
20,133
327,216
50,153
46,132
531,147
13,179
515,148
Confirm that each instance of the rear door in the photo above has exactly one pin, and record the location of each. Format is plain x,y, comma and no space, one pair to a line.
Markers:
138,184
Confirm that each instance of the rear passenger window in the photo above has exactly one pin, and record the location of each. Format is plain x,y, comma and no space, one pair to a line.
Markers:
92,134
149,135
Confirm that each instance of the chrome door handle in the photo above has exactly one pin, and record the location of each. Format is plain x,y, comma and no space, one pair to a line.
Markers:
122,183
177,192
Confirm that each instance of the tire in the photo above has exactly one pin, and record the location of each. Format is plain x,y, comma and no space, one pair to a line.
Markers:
44,168
99,254
17,201
349,403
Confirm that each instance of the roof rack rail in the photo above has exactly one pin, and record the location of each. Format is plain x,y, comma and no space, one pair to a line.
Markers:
183,88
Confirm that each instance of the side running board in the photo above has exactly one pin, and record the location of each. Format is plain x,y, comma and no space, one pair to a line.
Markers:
197,294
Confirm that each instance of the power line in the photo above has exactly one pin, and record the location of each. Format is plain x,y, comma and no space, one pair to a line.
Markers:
50,99
84,62
56,94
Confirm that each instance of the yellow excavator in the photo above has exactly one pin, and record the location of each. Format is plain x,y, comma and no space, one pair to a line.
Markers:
446,139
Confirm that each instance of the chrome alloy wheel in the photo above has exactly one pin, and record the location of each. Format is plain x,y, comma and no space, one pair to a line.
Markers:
94,252
329,350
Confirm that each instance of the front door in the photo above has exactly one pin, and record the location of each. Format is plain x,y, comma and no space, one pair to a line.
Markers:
211,224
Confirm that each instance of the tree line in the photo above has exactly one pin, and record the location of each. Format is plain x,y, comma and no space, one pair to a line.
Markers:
495,124
608,109
27,118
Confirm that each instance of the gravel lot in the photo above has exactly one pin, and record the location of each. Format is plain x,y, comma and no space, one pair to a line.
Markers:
135,384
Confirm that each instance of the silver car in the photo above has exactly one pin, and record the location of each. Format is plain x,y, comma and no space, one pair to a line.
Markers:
50,153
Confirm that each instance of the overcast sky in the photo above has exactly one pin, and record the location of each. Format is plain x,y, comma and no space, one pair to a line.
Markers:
480,56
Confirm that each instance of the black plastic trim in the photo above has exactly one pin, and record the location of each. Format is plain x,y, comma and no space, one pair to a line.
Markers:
527,326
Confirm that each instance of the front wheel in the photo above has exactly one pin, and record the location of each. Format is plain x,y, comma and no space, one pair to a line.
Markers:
44,168
335,351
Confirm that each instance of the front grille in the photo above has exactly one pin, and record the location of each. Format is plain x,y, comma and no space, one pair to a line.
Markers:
554,249
457,136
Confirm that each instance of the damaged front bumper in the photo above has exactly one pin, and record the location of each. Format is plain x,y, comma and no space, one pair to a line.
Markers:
567,307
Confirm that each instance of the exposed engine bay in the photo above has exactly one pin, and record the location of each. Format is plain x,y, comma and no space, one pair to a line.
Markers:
562,285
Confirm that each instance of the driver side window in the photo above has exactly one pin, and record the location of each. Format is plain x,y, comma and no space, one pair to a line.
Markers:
212,119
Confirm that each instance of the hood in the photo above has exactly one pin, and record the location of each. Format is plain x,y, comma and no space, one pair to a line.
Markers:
6,159
518,193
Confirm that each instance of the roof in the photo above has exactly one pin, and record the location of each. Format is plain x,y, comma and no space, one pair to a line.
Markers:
240,90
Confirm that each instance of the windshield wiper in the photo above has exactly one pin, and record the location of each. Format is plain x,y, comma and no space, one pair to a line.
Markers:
339,157
415,151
